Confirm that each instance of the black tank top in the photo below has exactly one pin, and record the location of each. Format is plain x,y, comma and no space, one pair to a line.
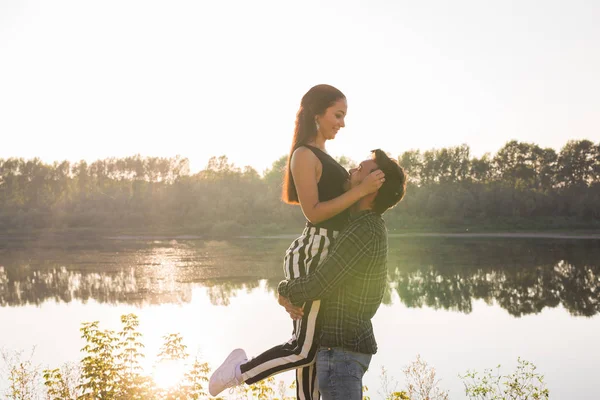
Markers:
330,186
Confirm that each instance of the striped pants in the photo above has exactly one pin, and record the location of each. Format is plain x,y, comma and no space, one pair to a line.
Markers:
300,351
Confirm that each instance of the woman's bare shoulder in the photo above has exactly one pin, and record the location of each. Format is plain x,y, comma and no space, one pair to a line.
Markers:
304,155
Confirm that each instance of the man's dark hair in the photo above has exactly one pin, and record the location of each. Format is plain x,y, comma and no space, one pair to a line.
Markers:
394,187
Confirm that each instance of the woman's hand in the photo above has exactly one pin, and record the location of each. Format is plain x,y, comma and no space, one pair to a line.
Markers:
372,182
294,311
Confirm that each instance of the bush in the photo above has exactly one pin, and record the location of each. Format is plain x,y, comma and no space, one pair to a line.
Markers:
524,383
110,370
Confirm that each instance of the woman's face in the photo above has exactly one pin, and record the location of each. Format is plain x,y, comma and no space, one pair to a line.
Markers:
332,119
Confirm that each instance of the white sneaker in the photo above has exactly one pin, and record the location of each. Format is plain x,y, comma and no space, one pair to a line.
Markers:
224,376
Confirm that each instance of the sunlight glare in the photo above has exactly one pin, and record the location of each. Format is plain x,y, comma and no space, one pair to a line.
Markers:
168,373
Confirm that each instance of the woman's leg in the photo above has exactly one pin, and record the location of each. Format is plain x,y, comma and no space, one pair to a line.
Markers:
306,382
300,351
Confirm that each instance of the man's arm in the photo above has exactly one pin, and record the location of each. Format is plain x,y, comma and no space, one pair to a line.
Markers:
351,248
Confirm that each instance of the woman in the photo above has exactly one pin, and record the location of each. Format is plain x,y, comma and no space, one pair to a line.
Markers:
316,182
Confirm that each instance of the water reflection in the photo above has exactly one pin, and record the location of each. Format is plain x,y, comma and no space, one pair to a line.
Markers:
522,276
134,272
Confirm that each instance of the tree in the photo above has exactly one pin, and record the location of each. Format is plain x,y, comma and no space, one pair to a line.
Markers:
482,169
578,163
412,163
346,162
273,176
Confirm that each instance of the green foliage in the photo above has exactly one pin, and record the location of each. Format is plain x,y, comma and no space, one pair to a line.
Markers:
173,348
60,384
523,384
398,396
100,369
390,396
195,380
346,162
172,351
262,390
422,382
447,187
365,389
389,387
110,370
22,376
134,384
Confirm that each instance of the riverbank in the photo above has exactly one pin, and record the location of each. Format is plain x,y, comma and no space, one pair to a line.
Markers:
411,226
508,235
88,234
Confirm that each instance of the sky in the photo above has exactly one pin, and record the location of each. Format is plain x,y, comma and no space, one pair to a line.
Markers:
95,79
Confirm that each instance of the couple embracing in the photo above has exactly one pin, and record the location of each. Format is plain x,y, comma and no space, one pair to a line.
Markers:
336,270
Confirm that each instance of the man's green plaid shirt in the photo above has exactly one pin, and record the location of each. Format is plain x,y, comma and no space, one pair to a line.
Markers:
350,283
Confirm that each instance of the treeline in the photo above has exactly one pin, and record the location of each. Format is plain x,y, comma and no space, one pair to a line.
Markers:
521,186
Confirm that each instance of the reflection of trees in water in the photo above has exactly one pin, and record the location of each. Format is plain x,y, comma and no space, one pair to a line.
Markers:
583,283
135,272
521,276
63,285
220,292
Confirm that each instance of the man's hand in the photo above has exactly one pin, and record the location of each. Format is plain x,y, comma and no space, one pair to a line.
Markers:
294,311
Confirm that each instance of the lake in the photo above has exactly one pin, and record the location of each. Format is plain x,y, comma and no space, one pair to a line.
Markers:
461,303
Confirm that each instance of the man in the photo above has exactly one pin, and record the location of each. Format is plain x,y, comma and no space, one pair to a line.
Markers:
350,282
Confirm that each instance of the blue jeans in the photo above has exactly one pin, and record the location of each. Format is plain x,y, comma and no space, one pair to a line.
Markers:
340,373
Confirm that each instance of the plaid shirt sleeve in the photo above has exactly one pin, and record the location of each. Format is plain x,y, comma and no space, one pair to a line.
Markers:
350,250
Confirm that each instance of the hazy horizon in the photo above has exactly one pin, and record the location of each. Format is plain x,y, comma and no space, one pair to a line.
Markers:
84,80
195,168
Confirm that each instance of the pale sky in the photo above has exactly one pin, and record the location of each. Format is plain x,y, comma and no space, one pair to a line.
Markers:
95,79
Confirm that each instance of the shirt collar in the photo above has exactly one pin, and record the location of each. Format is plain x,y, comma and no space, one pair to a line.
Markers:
361,214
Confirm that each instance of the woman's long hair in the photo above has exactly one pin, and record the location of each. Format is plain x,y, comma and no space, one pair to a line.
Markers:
318,99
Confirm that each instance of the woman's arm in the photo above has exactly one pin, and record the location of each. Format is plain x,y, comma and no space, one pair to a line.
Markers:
306,171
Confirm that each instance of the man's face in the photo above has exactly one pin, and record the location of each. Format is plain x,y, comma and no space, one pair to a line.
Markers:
358,174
